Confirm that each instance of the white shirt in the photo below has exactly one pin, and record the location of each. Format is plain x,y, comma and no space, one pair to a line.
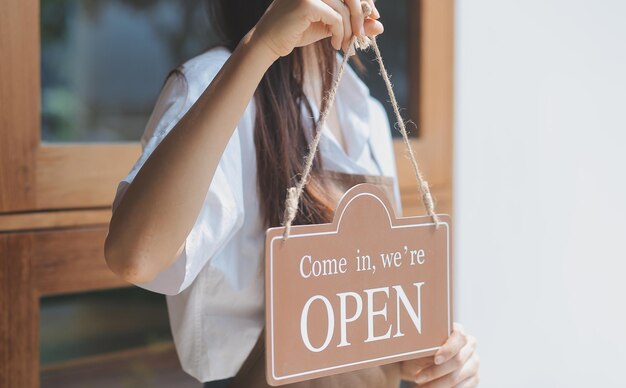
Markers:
215,287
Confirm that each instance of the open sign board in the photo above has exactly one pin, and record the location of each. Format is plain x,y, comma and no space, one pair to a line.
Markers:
365,290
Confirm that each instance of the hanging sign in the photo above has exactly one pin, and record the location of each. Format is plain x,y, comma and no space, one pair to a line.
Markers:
365,290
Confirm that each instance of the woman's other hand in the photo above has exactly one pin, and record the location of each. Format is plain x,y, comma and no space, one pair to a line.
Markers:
455,364
288,24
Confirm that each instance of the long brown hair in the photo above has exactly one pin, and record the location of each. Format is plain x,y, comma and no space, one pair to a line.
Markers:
279,130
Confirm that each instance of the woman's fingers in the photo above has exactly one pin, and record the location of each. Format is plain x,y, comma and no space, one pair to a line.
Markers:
356,16
322,12
472,382
341,8
362,25
455,363
410,368
375,14
353,21
295,23
373,27
452,346
467,372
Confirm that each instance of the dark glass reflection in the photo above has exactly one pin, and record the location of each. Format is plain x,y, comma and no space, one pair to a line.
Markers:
81,325
103,63
393,45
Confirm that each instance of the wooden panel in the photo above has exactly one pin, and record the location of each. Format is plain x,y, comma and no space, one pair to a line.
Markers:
154,366
37,176
32,264
427,158
413,56
436,80
433,91
19,314
412,204
53,219
19,102
81,175
71,261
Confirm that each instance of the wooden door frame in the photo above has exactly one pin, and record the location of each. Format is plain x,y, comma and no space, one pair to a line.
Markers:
34,264
41,176
52,194
431,97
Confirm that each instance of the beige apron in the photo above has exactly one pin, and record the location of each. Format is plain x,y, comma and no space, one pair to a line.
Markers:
252,373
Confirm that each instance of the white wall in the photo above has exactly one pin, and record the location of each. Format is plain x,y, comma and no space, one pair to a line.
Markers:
540,189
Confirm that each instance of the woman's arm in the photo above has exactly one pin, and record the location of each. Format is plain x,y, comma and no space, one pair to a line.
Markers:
160,206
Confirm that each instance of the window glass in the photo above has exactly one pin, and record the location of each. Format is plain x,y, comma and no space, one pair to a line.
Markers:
110,338
103,63
393,44
81,325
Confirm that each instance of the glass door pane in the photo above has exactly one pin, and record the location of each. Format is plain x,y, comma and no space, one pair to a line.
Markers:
103,63
394,45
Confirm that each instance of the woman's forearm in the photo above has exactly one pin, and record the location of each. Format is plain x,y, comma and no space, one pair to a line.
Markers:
160,206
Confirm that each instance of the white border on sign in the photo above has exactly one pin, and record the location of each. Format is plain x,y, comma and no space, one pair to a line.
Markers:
335,232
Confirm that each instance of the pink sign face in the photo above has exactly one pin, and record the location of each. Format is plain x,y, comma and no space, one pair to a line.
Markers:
365,290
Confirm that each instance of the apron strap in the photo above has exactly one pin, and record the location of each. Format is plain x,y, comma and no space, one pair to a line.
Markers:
256,354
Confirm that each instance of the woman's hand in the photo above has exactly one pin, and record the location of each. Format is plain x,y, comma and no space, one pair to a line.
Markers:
454,365
294,23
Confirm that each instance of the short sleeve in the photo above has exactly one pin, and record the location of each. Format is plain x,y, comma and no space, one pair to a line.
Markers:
221,214
168,109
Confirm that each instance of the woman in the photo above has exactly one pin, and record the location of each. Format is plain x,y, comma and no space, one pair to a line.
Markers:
225,140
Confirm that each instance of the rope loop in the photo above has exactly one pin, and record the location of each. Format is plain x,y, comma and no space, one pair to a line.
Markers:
294,193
